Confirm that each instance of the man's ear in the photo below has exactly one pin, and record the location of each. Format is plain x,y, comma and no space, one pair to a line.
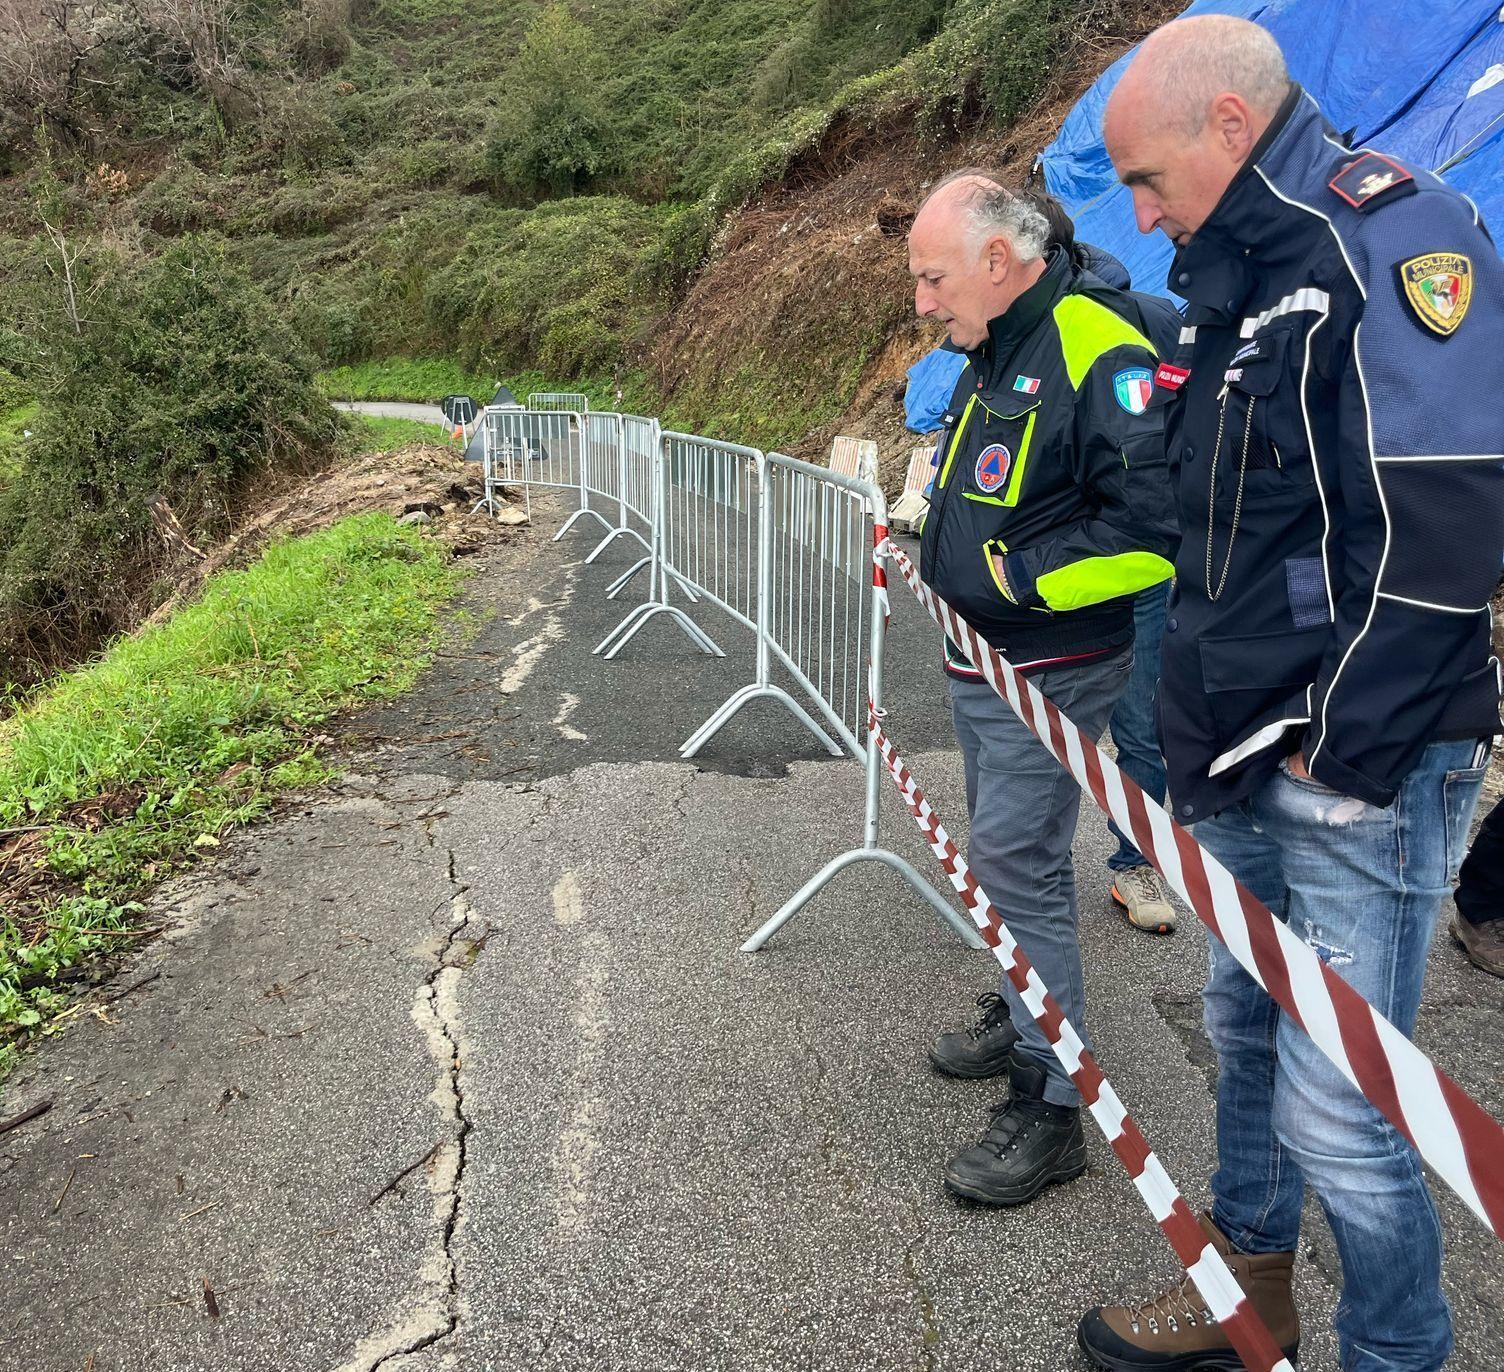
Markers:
999,253
1232,123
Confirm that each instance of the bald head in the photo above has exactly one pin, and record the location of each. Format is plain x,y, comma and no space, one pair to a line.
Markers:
974,248
1194,101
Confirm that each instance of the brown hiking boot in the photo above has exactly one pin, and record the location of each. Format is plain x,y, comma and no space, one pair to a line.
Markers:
1177,1333
1483,943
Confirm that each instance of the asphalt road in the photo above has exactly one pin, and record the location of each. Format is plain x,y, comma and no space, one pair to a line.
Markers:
457,1065
395,409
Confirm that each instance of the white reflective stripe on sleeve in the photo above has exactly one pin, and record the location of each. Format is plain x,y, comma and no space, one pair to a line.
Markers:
1307,299
1432,605
1188,334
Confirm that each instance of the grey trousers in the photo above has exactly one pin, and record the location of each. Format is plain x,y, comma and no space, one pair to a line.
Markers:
1023,807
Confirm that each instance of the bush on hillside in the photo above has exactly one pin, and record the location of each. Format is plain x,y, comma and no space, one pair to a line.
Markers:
554,132
181,379
560,288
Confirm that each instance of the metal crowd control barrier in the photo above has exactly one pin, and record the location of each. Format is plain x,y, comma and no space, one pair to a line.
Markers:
811,577
876,593
574,401
659,571
641,441
609,473
706,534
783,547
539,448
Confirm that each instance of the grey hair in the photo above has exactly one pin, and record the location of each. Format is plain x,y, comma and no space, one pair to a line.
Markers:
1192,61
990,209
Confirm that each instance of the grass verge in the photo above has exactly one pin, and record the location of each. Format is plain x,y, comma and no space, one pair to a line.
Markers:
377,433
422,379
13,426
125,770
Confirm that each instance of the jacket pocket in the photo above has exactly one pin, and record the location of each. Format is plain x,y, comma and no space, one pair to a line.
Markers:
996,454
1264,433
1248,677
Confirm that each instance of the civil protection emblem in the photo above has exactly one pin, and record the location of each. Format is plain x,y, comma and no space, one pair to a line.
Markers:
992,466
1439,288
1133,387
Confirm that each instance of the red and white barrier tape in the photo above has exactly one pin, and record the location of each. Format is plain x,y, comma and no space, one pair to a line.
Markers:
880,568
1450,1130
1218,1287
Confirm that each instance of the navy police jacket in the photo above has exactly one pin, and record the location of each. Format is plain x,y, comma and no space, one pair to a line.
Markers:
1333,421
1050,458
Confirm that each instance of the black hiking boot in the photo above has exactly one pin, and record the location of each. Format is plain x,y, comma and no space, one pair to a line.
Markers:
1031,1144
983,1049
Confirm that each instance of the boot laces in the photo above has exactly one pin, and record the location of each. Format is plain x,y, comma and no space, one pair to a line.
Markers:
1181,1304
994,1014
1012,1119
1143,883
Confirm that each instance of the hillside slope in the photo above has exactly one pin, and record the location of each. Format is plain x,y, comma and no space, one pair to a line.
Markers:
802,325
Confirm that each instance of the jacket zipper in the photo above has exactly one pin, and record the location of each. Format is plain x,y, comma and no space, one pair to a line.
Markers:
942,486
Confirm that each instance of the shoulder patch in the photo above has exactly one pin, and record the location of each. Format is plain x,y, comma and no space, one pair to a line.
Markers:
1132,386
1438,287
1370,180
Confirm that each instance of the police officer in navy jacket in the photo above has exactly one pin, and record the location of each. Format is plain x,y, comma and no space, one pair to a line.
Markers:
1328,684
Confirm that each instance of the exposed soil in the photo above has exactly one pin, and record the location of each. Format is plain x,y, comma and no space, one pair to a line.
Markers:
429,478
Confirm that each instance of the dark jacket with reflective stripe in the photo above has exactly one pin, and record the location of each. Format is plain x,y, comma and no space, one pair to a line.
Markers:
1333,580
1050,458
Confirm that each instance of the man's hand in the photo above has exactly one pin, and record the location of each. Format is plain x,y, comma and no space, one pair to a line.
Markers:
1002,577
1296,762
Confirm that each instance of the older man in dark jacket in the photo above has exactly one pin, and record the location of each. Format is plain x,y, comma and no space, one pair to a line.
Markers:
1049,512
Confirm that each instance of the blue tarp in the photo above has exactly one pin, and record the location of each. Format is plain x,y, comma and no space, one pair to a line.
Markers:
932,382
1418,79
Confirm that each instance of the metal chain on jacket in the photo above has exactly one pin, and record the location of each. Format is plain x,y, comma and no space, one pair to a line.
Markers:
1211,497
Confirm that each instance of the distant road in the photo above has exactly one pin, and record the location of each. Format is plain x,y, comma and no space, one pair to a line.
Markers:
404,409
395,409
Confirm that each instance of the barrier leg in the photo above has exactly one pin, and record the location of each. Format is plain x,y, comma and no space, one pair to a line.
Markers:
745,696
616,533
642,614
621,583
962,928
580,514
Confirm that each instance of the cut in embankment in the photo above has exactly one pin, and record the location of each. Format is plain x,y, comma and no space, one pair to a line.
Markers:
127,769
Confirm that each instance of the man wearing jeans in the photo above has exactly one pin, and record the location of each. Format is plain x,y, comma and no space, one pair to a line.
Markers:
1137,890
1328,681
1049,512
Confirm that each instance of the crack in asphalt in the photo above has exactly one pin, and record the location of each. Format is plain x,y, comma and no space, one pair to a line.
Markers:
439,1306
924,1299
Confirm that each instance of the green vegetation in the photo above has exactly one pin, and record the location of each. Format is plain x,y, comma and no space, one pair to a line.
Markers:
136,763
428,379
514,184
383,434
14,424
420,379
182,382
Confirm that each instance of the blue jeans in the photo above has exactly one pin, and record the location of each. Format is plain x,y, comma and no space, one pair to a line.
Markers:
1133,729
1363,887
